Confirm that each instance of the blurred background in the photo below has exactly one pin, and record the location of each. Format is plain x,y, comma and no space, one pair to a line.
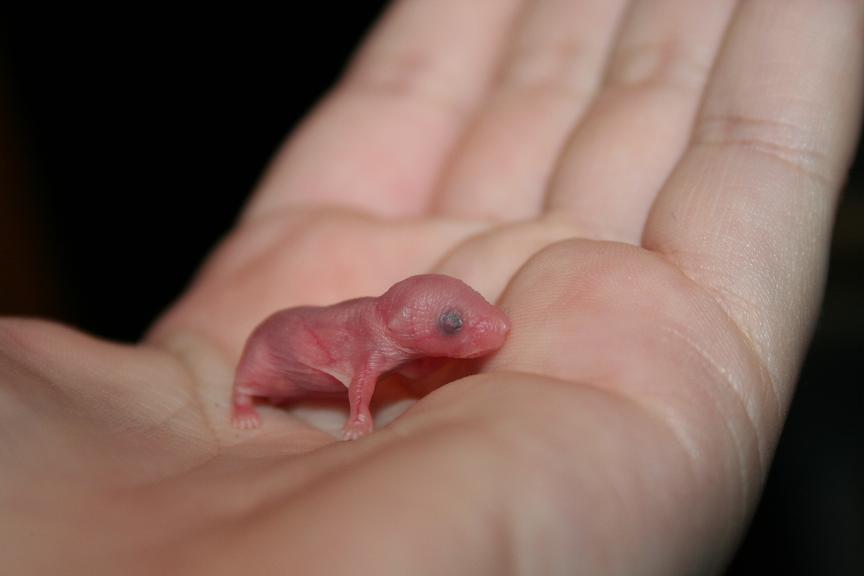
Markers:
129,141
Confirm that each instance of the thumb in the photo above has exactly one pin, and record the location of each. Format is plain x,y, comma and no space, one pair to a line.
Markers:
68,390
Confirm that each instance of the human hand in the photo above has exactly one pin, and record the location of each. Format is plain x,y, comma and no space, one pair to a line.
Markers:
661,264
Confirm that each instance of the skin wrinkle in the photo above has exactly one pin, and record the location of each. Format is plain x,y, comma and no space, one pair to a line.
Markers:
46,377
70,394
696,263
586,228
161,421
300,473
43,373
801,161
276,499
312,336
382,317
9,334
741,446
721,127
767,379
181,354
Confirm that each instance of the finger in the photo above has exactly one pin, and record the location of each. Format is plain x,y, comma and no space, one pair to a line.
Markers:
550,75
623,150
55,380
377,142
747,213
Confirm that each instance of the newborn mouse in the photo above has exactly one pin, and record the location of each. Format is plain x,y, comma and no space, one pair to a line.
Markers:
313,351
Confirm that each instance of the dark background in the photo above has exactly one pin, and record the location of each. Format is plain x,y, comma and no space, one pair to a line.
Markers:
129,141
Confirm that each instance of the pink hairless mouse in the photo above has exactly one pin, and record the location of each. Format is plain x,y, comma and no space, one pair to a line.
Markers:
312,351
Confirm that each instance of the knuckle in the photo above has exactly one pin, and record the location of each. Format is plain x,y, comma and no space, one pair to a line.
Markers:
550,68
787,143
660,63
410,77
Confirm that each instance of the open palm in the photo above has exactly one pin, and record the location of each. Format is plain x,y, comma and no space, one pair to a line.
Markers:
646,187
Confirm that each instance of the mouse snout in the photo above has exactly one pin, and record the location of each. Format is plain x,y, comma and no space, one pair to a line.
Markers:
496,321
504,324
493,329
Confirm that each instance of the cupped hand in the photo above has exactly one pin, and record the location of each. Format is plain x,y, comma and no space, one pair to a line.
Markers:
646,187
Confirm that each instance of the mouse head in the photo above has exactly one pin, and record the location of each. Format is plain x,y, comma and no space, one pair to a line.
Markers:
436,315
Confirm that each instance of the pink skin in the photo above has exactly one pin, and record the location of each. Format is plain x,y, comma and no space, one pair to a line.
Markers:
320,351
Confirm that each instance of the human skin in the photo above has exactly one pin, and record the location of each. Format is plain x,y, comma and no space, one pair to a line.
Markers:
652,204
310,351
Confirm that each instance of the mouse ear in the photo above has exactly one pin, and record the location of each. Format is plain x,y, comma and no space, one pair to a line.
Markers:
397,314
399,294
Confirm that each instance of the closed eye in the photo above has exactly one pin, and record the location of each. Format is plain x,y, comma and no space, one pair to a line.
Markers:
450,322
